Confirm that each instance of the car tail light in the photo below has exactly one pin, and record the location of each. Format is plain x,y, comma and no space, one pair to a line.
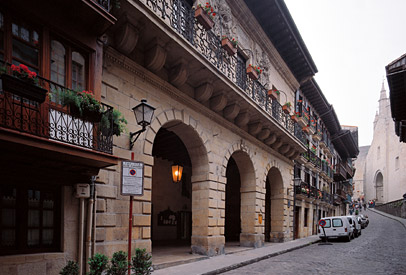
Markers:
346,229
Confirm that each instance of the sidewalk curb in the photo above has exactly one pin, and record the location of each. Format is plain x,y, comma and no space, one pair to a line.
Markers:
389,216
235,266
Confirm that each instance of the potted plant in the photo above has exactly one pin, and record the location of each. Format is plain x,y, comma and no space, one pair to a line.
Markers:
82,105
229,45
286,107
274,93
306,129
113,123
24,83
253,72
205,15
294,118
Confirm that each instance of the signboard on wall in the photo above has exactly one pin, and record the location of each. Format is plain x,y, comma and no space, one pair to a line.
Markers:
132,178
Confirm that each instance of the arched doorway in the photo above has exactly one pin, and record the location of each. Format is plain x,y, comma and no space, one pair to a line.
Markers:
379,187
172,209
240,206
274,216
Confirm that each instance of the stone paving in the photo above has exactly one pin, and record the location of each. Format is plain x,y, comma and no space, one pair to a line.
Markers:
381,249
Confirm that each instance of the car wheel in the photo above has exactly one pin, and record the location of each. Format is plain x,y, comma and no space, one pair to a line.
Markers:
348,238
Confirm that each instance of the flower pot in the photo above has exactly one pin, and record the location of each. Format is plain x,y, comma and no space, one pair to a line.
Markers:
302,121
286,109
23,88
294,118
306,130
272,94
228,47
252,73
204,19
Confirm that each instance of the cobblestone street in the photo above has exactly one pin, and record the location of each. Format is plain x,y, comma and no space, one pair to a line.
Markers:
379,250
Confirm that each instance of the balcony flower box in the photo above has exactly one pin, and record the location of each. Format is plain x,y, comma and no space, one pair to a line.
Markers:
273,94
229,46
82,105
306,130
316,136
294,118
286,108
253,72
303,121
204,16
24,86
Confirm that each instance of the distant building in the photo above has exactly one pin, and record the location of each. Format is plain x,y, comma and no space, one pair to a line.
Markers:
383,169
358,181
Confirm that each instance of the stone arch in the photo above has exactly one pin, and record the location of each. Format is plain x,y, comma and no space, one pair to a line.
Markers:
274,206
190,132
378,184
243,158
196,142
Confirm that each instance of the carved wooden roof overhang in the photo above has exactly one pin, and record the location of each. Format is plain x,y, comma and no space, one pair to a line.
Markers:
345,144
278,24
325,110
396,75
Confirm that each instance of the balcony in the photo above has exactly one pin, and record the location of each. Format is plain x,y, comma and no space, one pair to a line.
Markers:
46,132
93,16
302,114
318,134
327,198
340,172
307,191
200,68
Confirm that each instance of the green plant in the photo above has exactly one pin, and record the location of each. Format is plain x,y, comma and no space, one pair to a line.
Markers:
208,9
98,263
141,262
113,121
71,268
233,41
83,101
119,264
256,68
287,104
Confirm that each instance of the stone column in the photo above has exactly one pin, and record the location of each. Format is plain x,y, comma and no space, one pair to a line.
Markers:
251,231
208,211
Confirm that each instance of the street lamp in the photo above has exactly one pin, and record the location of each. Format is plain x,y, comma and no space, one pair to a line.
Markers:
177,173
143,114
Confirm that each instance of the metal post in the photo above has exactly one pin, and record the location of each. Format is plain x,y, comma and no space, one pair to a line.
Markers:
130,227
294,210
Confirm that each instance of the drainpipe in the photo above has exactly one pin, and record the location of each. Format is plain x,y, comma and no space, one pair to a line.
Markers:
89,224
80,246
94,223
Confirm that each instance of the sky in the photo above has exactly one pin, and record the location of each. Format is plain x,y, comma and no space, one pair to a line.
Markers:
351,42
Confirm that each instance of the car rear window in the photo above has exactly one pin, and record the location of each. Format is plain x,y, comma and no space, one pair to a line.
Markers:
337,223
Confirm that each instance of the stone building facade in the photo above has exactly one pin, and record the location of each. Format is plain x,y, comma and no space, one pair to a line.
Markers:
383,174
239,147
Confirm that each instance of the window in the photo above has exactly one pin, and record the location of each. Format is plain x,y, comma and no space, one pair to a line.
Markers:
397,163
241,76
25,46
328,221
32,213
337,223
378,153
1,37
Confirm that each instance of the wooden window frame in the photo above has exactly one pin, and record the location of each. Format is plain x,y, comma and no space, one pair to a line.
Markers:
21,246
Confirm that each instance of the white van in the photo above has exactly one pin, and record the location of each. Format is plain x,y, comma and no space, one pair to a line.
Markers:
336,227
356,225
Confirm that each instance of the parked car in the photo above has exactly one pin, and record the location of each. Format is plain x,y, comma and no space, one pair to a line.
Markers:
336,227
356,224
364,220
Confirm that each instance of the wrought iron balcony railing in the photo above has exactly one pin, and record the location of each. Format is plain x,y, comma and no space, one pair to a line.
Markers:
50,120
107,5
179,15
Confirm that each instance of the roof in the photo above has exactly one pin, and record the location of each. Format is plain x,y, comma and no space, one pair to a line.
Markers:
278,24
396,74
345,141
